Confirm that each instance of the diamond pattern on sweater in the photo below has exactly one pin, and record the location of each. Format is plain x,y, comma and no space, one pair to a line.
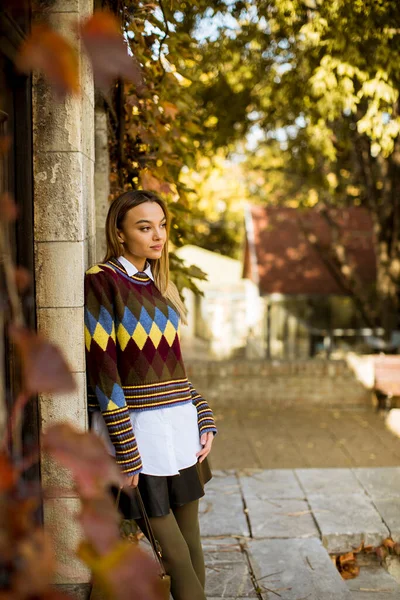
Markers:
146,320
101,337
170,333
123,336
155,334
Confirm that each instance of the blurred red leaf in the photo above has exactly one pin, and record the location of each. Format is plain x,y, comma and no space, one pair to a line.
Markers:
150,182
48,51
20,517
45,369
100,522
84,453
36,565
8,208
124,569
108,52
23,279
7,474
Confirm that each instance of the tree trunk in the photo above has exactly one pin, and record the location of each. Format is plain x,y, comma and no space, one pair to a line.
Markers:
387,232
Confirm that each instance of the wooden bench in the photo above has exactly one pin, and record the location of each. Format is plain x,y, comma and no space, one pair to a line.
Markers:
387,381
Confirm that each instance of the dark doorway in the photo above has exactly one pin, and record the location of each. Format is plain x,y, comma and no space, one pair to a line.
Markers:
16,177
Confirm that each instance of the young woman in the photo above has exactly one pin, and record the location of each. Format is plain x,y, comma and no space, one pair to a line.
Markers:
157,426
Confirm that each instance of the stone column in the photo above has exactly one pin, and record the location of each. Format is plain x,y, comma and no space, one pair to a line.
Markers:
64,222
101,179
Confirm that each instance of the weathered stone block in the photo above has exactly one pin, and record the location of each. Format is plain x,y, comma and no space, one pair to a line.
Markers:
60,521
56,408
276,518
59,273
78,591
91,255
100,244
87,127
71,407
227,570
64,327
382,482
86,74
295,569
345,521
329,481
101,180
85,7
67,124
221,510
88,197
56,125
47,6
389,509
270,483
59,196
57,481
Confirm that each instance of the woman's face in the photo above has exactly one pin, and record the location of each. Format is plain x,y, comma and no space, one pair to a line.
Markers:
144,232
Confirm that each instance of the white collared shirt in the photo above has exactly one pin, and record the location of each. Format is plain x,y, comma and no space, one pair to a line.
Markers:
167,438
132,270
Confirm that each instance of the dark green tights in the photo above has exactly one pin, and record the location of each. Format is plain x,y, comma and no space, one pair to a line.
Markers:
178,534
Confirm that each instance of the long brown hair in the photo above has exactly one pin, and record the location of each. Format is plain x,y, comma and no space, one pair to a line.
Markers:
160,266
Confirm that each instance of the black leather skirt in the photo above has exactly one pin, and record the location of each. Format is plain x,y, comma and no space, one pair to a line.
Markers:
160,494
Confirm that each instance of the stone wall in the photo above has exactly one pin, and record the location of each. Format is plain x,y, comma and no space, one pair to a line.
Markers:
101,180
64,232
278,383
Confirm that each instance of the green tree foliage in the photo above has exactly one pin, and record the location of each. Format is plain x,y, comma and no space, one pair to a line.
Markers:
320,80
217,204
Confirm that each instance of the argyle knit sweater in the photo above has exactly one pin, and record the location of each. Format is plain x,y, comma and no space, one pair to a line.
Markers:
133,356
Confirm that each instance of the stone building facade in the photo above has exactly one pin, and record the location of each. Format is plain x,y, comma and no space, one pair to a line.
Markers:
66,176
64,244
306,306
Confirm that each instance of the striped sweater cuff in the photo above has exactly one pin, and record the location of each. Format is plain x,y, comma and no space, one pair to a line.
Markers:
121,435
205,417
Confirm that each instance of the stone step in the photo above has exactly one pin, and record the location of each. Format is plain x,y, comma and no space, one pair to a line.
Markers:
294,569
221,510
228,574
343,507
279,384
373,581
291,570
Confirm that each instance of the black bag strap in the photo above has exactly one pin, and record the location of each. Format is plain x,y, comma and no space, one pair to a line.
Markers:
149,530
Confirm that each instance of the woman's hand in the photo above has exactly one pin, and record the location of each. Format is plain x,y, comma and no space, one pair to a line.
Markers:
132,480
206,441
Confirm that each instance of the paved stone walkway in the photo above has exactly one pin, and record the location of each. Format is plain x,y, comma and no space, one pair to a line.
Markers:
304,438
268,533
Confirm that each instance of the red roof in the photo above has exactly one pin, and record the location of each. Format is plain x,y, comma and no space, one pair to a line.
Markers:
287,263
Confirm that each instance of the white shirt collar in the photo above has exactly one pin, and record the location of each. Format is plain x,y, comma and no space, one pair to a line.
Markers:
132,270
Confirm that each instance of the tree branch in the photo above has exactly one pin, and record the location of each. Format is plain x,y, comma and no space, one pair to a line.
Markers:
339,265
162,40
